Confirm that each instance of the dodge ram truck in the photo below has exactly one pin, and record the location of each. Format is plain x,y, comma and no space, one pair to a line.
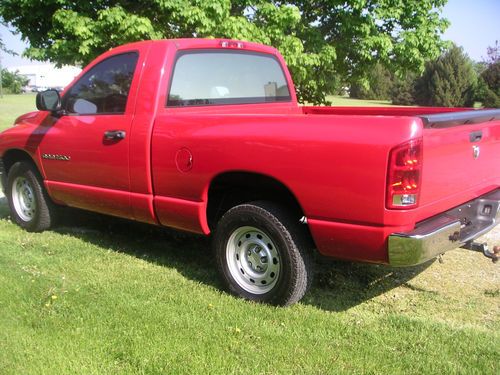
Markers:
206,136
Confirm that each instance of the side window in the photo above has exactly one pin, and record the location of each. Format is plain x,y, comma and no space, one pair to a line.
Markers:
104,88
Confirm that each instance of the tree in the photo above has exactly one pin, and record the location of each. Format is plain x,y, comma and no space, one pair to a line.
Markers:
378,87
488,87
3,48
13,83
493,53
324,42
488,90
2,45
448,81
491,99
491,75
403,90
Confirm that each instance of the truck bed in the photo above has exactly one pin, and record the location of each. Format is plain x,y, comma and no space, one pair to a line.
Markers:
461,150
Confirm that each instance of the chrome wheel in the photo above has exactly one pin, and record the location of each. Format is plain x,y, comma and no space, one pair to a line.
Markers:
23,198
253,260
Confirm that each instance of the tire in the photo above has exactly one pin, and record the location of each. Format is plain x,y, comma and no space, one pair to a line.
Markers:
263,254
30,205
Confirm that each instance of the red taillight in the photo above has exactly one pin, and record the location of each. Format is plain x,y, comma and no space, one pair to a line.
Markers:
404,175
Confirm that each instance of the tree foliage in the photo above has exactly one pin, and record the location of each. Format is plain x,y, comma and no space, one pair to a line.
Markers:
13,82
2,45
380,82
323,41
448,81
490,77
493,53
488,90
403,90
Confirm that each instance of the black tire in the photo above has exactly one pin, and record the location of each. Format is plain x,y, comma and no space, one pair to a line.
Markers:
263,253
30,206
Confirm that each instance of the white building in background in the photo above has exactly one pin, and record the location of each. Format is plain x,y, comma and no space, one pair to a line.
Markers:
46,75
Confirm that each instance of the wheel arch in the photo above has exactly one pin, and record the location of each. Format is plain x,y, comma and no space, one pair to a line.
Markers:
231,188
12,156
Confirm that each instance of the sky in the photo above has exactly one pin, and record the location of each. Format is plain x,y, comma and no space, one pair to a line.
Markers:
475,25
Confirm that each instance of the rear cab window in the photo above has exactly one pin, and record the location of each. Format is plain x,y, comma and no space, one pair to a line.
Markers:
213,77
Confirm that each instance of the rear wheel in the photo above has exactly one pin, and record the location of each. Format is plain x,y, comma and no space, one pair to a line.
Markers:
29,203
263,254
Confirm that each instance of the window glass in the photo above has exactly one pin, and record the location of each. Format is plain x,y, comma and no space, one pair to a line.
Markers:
227,77
104,88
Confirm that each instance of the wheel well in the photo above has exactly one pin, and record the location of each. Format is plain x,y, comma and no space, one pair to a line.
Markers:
13,156
233,188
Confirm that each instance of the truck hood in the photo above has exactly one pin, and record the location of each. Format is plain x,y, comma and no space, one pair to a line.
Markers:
27,116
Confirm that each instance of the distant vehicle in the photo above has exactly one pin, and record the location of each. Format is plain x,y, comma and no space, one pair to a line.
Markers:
40,88
207,136
45,88
27,89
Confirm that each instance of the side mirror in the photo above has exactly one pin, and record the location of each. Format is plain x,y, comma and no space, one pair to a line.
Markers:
48,100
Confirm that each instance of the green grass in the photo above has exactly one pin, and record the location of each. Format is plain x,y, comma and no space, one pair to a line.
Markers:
105,296
12,106
346,101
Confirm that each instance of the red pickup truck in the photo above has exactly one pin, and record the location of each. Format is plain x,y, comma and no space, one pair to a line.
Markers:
207,136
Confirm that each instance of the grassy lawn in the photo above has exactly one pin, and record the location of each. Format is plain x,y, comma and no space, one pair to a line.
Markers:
11,106
104,296
349,102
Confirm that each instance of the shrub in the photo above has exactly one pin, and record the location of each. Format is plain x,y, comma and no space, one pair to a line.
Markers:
491,99
13,83
378,85
448,81
403,91
491,76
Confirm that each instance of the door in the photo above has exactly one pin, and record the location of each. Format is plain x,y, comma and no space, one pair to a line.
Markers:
85,152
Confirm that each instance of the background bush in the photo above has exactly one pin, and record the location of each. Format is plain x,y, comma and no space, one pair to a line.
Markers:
448,81
377,86
403,90
13,83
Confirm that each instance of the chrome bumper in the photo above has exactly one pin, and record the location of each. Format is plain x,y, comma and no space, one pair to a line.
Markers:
444,232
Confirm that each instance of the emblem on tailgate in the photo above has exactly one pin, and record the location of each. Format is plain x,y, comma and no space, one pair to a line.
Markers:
475,151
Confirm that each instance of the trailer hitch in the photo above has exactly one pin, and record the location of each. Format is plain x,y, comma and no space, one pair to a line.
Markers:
494,254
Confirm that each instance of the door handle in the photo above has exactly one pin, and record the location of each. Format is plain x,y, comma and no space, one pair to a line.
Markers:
112,135
475,136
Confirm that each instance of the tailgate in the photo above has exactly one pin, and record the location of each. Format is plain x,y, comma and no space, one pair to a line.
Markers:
461,158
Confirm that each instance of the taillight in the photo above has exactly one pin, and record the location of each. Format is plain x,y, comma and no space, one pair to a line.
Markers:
404,175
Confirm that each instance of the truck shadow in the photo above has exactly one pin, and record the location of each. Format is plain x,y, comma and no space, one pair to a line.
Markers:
338,285
4,208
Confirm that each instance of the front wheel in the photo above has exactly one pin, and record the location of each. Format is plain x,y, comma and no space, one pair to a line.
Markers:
263,254
29,203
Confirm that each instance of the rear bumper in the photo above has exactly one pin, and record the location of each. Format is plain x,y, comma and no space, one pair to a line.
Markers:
446,231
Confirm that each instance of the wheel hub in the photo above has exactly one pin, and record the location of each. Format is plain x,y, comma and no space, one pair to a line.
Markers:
253,260
257,259
23,198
